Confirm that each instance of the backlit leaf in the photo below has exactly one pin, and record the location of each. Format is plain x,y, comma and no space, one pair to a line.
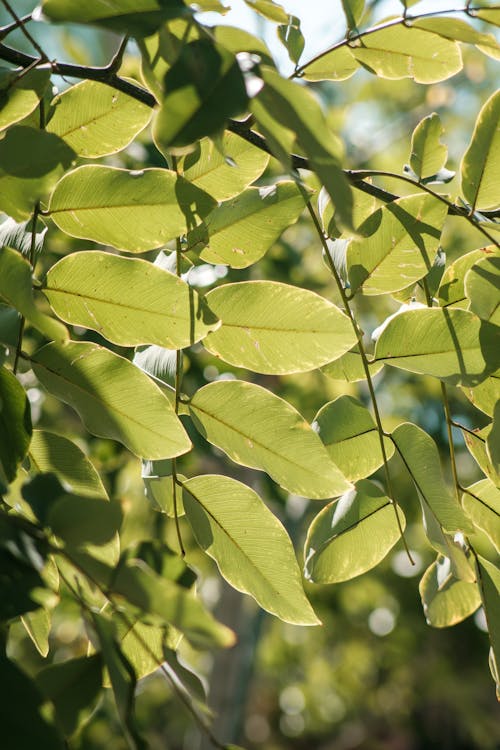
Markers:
258,429
128,301
337,65
482,283
447,600
452,286
15,423
250,546
349,367
428,155
20,94
451,344
351,535
481,161
113,397
276,328
481,502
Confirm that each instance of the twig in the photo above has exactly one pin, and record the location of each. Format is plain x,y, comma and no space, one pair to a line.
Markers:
21,24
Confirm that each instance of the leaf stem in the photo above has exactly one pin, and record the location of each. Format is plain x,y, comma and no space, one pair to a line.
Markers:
366,368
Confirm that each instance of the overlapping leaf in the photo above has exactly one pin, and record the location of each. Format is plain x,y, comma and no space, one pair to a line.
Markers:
15,424
447,600
20,95
258,429
481,502
276,328
481,161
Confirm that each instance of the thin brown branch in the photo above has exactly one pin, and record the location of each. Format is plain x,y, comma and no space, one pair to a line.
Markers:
21,24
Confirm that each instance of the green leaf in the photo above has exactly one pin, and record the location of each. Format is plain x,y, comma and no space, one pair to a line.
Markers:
20,94
238,40
451,344
15,423
421,458
121,674
292,38
10,326
143,645
446,600
16,289
95,119
403,238
73,687
476,444
269,9
240,231
485,395
37,625
405,52
22,557
489,583
353,10
51,453
493,439
337,65
276,328
135,17
23,722
481,162
113,397
128,301
482,283
31,162
428,155
481,502
159,487
250,546
351,438
227,172
130,210
351,535
349,367
203,89
452,287
283,108
257,429
460,31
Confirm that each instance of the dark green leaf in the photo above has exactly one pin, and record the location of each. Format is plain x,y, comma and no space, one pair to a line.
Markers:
15,423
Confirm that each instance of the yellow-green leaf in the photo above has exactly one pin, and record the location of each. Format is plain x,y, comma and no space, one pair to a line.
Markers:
481,162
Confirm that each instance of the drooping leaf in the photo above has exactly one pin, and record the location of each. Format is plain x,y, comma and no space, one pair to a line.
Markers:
353,10
241,230
135,17
493,439
287,114
15,423
122,677
337,65
20,94
452,287
113,397
403,238
130,210
143,645
16,289
292,38
476,443
481,161
51,453
446,600
489,584
405,52
349,367
421,458
481,502
73,687
127,300
202,90
428,155
276,328
31,162
258,429
351,438
460,31
227,172
351,535
160,485
37,625
250,546
482,283
95,119
451,344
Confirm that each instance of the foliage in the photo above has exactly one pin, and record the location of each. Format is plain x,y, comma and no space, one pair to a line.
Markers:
208,154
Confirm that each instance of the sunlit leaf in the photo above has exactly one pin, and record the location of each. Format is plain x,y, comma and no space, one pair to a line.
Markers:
481,161
452,287
351,535
258,429
351,438
337,65
20,94
269,9
250,546
428,155
276,328
113,397
451,344
489,583
447,600
482,284
481,502
95,119
350,367
485,395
